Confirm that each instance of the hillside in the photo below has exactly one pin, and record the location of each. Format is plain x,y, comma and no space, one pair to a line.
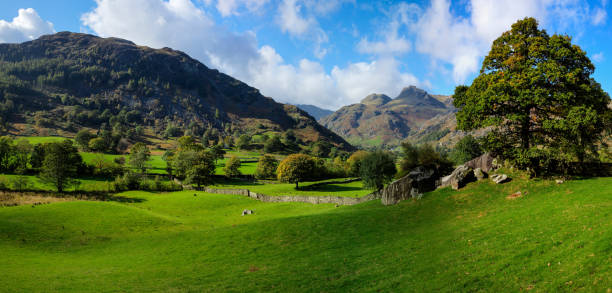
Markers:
379,119
554,238
315,111
67,81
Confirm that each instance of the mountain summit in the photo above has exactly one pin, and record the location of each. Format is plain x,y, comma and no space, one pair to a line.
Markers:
70,80
380,119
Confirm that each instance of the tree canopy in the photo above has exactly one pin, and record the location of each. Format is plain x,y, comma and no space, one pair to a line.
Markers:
536,93
295,168
60,164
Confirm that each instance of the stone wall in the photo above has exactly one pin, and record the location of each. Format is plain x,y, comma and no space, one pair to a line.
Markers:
339,200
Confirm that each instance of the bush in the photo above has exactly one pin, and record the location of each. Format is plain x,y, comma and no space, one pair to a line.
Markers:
19,183
353,163
266,167
232,167
377,169
466,149
425,156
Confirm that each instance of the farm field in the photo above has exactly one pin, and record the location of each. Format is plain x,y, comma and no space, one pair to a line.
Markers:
554,238
352,189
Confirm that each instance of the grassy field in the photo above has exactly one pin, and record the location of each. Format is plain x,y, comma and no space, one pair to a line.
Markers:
42,139
352,189
554,238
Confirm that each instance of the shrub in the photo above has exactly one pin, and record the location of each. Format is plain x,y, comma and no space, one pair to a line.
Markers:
353,163
425,156
377,169
466,149
232,167
266,167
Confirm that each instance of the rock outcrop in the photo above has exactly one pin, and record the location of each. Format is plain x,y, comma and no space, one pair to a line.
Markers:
500,178
484,162
414,184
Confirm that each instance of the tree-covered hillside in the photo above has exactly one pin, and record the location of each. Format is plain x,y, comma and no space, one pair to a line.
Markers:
67,81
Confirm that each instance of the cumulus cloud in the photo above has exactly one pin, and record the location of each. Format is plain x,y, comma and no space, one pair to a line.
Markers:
401,15
463,41
155,23
232,7
25,27
598,58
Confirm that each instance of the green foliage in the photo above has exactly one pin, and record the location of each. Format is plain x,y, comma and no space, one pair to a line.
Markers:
97,144
353,163
266,167
60,164
295,168
377,169
202,170
466,149
321,149
232,167
82,139
140,155
537,93
425,155
243,142
273,145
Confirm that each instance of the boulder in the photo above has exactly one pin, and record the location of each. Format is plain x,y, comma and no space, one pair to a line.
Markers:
247,212
480,174
485,162
500,178
461,177
414,184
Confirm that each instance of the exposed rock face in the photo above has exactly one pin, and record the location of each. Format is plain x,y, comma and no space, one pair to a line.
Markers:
500,178
378,117
462,176
480,174
484,162
414,184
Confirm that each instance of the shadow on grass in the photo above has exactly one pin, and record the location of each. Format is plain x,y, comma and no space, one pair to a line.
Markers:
78,195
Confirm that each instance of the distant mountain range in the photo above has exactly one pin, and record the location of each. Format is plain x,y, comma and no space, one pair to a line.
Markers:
379,119
69,80
315,111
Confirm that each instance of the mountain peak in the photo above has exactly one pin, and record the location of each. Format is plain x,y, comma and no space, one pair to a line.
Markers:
412,93
376,99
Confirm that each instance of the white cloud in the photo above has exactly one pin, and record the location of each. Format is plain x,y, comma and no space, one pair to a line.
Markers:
291,19
401,15
232,7
599,16
462,42
294,20
155,23
25,27
598,58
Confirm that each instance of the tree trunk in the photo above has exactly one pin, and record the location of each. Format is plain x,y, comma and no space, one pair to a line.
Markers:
296,185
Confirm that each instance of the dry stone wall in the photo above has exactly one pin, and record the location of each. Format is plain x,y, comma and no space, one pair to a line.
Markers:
339,200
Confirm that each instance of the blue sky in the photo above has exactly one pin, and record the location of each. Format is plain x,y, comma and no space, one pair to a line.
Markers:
323,52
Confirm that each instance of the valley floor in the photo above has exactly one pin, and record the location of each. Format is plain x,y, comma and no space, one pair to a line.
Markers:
554,238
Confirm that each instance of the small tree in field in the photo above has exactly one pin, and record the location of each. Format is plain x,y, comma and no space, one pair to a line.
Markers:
60,164
232,167
377,169
296,168
201,169
140,155
266,167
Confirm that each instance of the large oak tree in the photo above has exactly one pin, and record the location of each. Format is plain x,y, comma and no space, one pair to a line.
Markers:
536,93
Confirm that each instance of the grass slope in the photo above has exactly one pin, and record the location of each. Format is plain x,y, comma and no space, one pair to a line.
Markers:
555,238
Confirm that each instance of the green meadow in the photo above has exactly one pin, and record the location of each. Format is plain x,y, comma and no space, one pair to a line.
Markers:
554,238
